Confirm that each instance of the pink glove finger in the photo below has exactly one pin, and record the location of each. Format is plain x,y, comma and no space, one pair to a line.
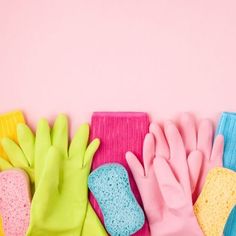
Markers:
194,160
134,165
174,141
188,131
148,152
175,144
162,148
178,159
171,190
146,181
205,137
218,150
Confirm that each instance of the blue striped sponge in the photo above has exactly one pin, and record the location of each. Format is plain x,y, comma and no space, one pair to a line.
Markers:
110,186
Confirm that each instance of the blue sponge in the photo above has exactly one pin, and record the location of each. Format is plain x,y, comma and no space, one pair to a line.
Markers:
110,186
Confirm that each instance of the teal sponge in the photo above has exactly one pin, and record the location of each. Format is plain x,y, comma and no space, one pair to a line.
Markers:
110,186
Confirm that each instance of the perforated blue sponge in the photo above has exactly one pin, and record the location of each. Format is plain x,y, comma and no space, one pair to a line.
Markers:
110,186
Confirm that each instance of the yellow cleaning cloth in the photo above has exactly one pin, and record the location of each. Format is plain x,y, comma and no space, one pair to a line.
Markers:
216,201
8,124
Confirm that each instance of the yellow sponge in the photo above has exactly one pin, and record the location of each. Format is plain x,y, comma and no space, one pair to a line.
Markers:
8,124
216,201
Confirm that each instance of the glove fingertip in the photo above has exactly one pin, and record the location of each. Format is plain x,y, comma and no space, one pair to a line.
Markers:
5,142
134,164
94,145
84,127
91,150
21,127
129,156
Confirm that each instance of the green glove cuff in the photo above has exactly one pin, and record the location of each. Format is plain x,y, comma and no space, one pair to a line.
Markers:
92,225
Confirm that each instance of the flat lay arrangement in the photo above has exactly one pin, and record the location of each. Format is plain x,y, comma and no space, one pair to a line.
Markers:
121,175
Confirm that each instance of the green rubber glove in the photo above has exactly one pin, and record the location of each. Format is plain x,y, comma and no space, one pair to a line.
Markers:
60,202
22,155
34,157
92,224
61,198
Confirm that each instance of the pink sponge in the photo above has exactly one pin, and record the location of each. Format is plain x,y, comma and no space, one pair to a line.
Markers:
15,202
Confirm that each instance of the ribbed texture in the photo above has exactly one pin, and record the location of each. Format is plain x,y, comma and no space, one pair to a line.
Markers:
8,124
119,132
227,127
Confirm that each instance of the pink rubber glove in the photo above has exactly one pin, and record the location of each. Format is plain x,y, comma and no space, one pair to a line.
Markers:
201,139
194,159
167,199
146,181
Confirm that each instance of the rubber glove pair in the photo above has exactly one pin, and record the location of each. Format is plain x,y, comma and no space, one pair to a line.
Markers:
164,182
60,204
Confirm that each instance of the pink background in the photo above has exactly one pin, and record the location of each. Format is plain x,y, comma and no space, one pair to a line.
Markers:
76,57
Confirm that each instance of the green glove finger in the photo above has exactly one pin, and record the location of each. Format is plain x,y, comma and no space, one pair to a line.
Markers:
30,173
43,138
15,154
42,145
5,165
79,143
91,150
60,134
53,161
26,140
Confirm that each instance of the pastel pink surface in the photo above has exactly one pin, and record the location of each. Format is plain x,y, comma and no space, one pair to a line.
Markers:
119,132
80,56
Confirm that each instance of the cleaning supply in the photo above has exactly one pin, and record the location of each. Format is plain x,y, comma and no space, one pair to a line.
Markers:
119,132
227,127
216,200
177,208
30,155
201,138
170,145
165,154
20,155
15,203
146,181
122,214
60,203
92,225
8,123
